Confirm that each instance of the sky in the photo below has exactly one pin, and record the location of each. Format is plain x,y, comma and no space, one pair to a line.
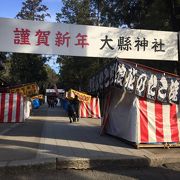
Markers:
10,8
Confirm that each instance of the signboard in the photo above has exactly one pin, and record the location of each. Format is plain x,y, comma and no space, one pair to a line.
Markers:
151,84
26,89
37,37
53,90
81,96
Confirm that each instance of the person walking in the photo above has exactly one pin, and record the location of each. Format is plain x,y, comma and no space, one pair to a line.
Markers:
71,111
75,103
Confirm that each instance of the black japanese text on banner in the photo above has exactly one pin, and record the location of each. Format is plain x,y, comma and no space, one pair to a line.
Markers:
25,36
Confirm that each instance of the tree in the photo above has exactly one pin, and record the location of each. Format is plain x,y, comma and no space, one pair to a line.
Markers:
33,10
175,14
144,14
137,14
51,79
74,11
159,16
76,71
5,71
26,68
2,60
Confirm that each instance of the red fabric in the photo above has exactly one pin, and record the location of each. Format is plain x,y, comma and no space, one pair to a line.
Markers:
18,107
143,121
158,122
11,108
173,123
3,96
90,109
81,112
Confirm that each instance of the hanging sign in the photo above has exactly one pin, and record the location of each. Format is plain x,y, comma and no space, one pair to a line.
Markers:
38,37
26,89
154,86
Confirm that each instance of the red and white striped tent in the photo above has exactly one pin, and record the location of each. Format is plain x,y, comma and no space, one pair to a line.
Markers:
90,109
11,108
140,104
139,120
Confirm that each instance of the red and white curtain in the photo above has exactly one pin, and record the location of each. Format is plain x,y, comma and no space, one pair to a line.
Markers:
140,120
11,108
157,122
90,109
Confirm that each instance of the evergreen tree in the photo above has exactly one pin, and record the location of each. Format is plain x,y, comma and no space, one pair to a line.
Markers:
33,10
77,12
51,80
137,14
2,60
76,71
26,68
144,14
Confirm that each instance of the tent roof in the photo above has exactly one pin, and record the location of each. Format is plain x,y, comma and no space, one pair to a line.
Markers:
153,70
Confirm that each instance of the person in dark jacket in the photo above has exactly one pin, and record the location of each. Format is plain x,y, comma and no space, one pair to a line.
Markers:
71,112
75,103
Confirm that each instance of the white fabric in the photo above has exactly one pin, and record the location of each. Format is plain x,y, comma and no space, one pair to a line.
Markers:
27,109
141,121
89,41
123,115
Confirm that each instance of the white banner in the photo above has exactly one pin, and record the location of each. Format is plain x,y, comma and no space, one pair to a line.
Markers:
80,40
